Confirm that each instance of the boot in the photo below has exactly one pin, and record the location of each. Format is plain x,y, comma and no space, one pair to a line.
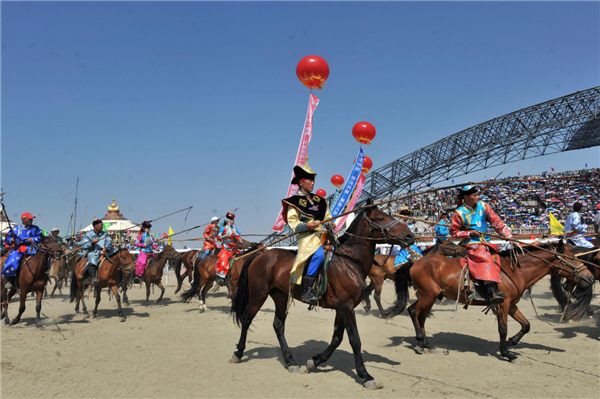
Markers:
308,293
9,283
494,296
220,280
94,275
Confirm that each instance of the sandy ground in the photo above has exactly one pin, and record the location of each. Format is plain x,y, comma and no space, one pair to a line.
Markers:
169,350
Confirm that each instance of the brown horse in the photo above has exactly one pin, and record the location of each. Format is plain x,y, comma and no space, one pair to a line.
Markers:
32,277
384,269
437,276
205,274
155,268
110,270
188,259
269,275
579,301
59,269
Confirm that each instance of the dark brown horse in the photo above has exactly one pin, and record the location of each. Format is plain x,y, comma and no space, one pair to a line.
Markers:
384,269
269,275
32,278
110,271
154,271
59,269
580,298
188,259
205,274
437,276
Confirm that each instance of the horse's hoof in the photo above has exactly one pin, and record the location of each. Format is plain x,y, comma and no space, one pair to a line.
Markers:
432,350
419,350
86,315
516,361
40,327
294,369
235,359
372,385
310,365
122,319
201,309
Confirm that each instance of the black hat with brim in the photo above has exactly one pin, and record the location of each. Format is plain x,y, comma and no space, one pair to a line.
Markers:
301,174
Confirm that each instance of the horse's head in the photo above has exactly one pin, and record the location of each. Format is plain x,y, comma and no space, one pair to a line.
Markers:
170,252
389,229
246,245
571,268
50,246
124,258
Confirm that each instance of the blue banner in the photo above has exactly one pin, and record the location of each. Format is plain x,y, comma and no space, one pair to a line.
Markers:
350,184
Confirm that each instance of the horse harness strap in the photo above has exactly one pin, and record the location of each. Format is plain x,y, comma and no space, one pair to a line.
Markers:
385,229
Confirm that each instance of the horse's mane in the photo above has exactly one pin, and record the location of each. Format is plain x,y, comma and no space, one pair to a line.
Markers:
352,229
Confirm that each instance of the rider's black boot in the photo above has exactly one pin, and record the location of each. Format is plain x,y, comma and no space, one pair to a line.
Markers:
308,292
10,282
494,296
94,275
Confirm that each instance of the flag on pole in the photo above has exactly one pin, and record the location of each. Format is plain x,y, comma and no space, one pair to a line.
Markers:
44,232
519,173
552,169
105,226
555,226
170,234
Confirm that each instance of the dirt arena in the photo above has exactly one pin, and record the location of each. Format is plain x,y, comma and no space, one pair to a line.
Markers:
169,350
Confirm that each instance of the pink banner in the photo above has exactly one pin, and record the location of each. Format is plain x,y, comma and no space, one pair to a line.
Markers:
359,187
301,155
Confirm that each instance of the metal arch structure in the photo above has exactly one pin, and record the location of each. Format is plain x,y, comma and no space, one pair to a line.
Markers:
567,123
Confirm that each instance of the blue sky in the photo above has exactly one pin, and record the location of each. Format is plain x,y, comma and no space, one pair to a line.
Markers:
163,105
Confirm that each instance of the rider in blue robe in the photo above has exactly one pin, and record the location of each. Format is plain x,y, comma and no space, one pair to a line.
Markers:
23,237
95,242
442,230
576,229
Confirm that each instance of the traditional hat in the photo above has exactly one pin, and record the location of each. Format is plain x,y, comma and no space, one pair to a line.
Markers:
303,172
230,215
146,224
467,190
97,221
54,229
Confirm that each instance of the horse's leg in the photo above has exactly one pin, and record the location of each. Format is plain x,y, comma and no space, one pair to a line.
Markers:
148,284
84,308
23,298
53,288
280,300
202,295
255,302
377,296
6,300
350,323
367,296
516,314
59,284
115,292
162,292
98,292
38,308
503,330
336,340
423,312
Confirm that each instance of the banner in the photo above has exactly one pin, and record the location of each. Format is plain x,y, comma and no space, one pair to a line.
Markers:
353,201
555,226
171,232
350,184
300,156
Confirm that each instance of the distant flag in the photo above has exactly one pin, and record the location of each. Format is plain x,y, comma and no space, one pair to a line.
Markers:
44,232
170,234
452,181
105,226
419,186
519,173
552,169
555,226
586,164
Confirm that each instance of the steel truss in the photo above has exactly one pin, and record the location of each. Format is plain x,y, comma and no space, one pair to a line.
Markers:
566,123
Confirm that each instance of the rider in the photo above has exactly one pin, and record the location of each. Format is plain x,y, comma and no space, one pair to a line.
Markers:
96,242
144,242
22,237
441,229
55,231
302,212
209,236
228,235
411,253
470,222
575,229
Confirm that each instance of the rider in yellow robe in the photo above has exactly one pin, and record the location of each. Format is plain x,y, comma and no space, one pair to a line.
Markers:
302,212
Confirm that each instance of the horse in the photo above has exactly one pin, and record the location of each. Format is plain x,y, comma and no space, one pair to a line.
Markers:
579,300
188,259
110,270
437,276
32,278
269,275
154,271
205,274
384,269
59,269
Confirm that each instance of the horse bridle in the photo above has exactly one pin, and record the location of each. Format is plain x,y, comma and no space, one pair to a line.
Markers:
575,270
385,229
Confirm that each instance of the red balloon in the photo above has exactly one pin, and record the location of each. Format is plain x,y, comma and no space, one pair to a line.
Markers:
367,164
337,180
363,132
312,71
321,193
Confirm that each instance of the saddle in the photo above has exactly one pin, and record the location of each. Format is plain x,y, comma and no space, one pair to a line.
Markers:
321,279
472,288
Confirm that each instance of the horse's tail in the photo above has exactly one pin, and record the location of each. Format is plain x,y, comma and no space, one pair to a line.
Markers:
74,288
177,265
583,298
239,302
401,283
558,291
189,294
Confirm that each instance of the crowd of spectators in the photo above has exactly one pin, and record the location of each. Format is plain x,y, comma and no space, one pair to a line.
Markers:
521,201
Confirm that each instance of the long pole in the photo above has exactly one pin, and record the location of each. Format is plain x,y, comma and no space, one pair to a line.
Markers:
75,213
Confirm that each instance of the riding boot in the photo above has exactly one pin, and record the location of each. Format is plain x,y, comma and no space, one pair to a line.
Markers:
220,280
10,282
493,295
308,292
94,275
